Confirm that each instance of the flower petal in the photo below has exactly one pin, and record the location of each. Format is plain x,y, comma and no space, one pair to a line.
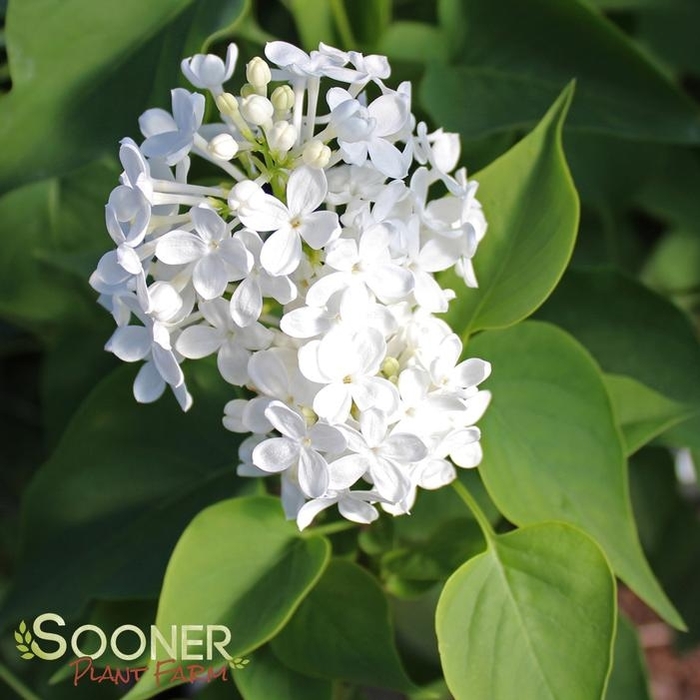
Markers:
198,341
306,190
326,438
344,472
247,302
179,247
333,403
319,228
357,510
130,343
286,421
403,448
232,362
281,252
275,454
311,509
313,473
210,277
148,385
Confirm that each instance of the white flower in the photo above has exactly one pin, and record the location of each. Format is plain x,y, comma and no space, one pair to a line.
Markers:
353,505
232,343
368,262
209,72
292,222
300,446
383,458
217,257
298,63
363,131
171,137
459,379
305,260
348,364
247,300
151,341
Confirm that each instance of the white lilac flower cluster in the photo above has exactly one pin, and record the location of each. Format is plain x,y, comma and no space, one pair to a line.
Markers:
305,260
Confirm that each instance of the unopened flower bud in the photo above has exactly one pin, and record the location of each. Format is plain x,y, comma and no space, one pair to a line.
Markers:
244,193
227,104
282,98
316,154
247,90
223,146
282,136
309,416
390,367
257,109
257,73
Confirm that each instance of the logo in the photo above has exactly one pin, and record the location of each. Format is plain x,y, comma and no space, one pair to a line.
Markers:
23,638
164,652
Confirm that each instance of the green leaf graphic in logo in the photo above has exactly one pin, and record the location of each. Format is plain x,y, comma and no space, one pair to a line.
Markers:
23,638
239,662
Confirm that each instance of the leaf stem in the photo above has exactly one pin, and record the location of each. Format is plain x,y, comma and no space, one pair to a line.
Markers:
479,515
16,684
342,22
330,529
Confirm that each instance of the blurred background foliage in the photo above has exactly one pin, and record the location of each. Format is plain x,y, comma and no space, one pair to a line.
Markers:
74,77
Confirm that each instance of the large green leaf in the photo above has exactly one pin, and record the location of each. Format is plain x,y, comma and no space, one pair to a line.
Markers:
629,330
241,564
552,449
507,73
103,514
414,41
670,533
44,228
531,618
642,413
83,73
266,678
342,631
532,211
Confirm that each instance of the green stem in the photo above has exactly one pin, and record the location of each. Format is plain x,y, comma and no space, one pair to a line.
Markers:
16,684
342,22
470,501
330,529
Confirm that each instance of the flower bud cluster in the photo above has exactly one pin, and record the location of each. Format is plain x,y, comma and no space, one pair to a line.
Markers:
306,263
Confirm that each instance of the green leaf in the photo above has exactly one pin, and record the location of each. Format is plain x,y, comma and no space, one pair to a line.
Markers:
668,29
43,224
314,21
83,74
70,372
531,618
414,41
642,413
673,268
532,211
629,330
506,74
628,679
452,543
343,631
103,514
241,564
552,449
670,532
266,678
369,20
